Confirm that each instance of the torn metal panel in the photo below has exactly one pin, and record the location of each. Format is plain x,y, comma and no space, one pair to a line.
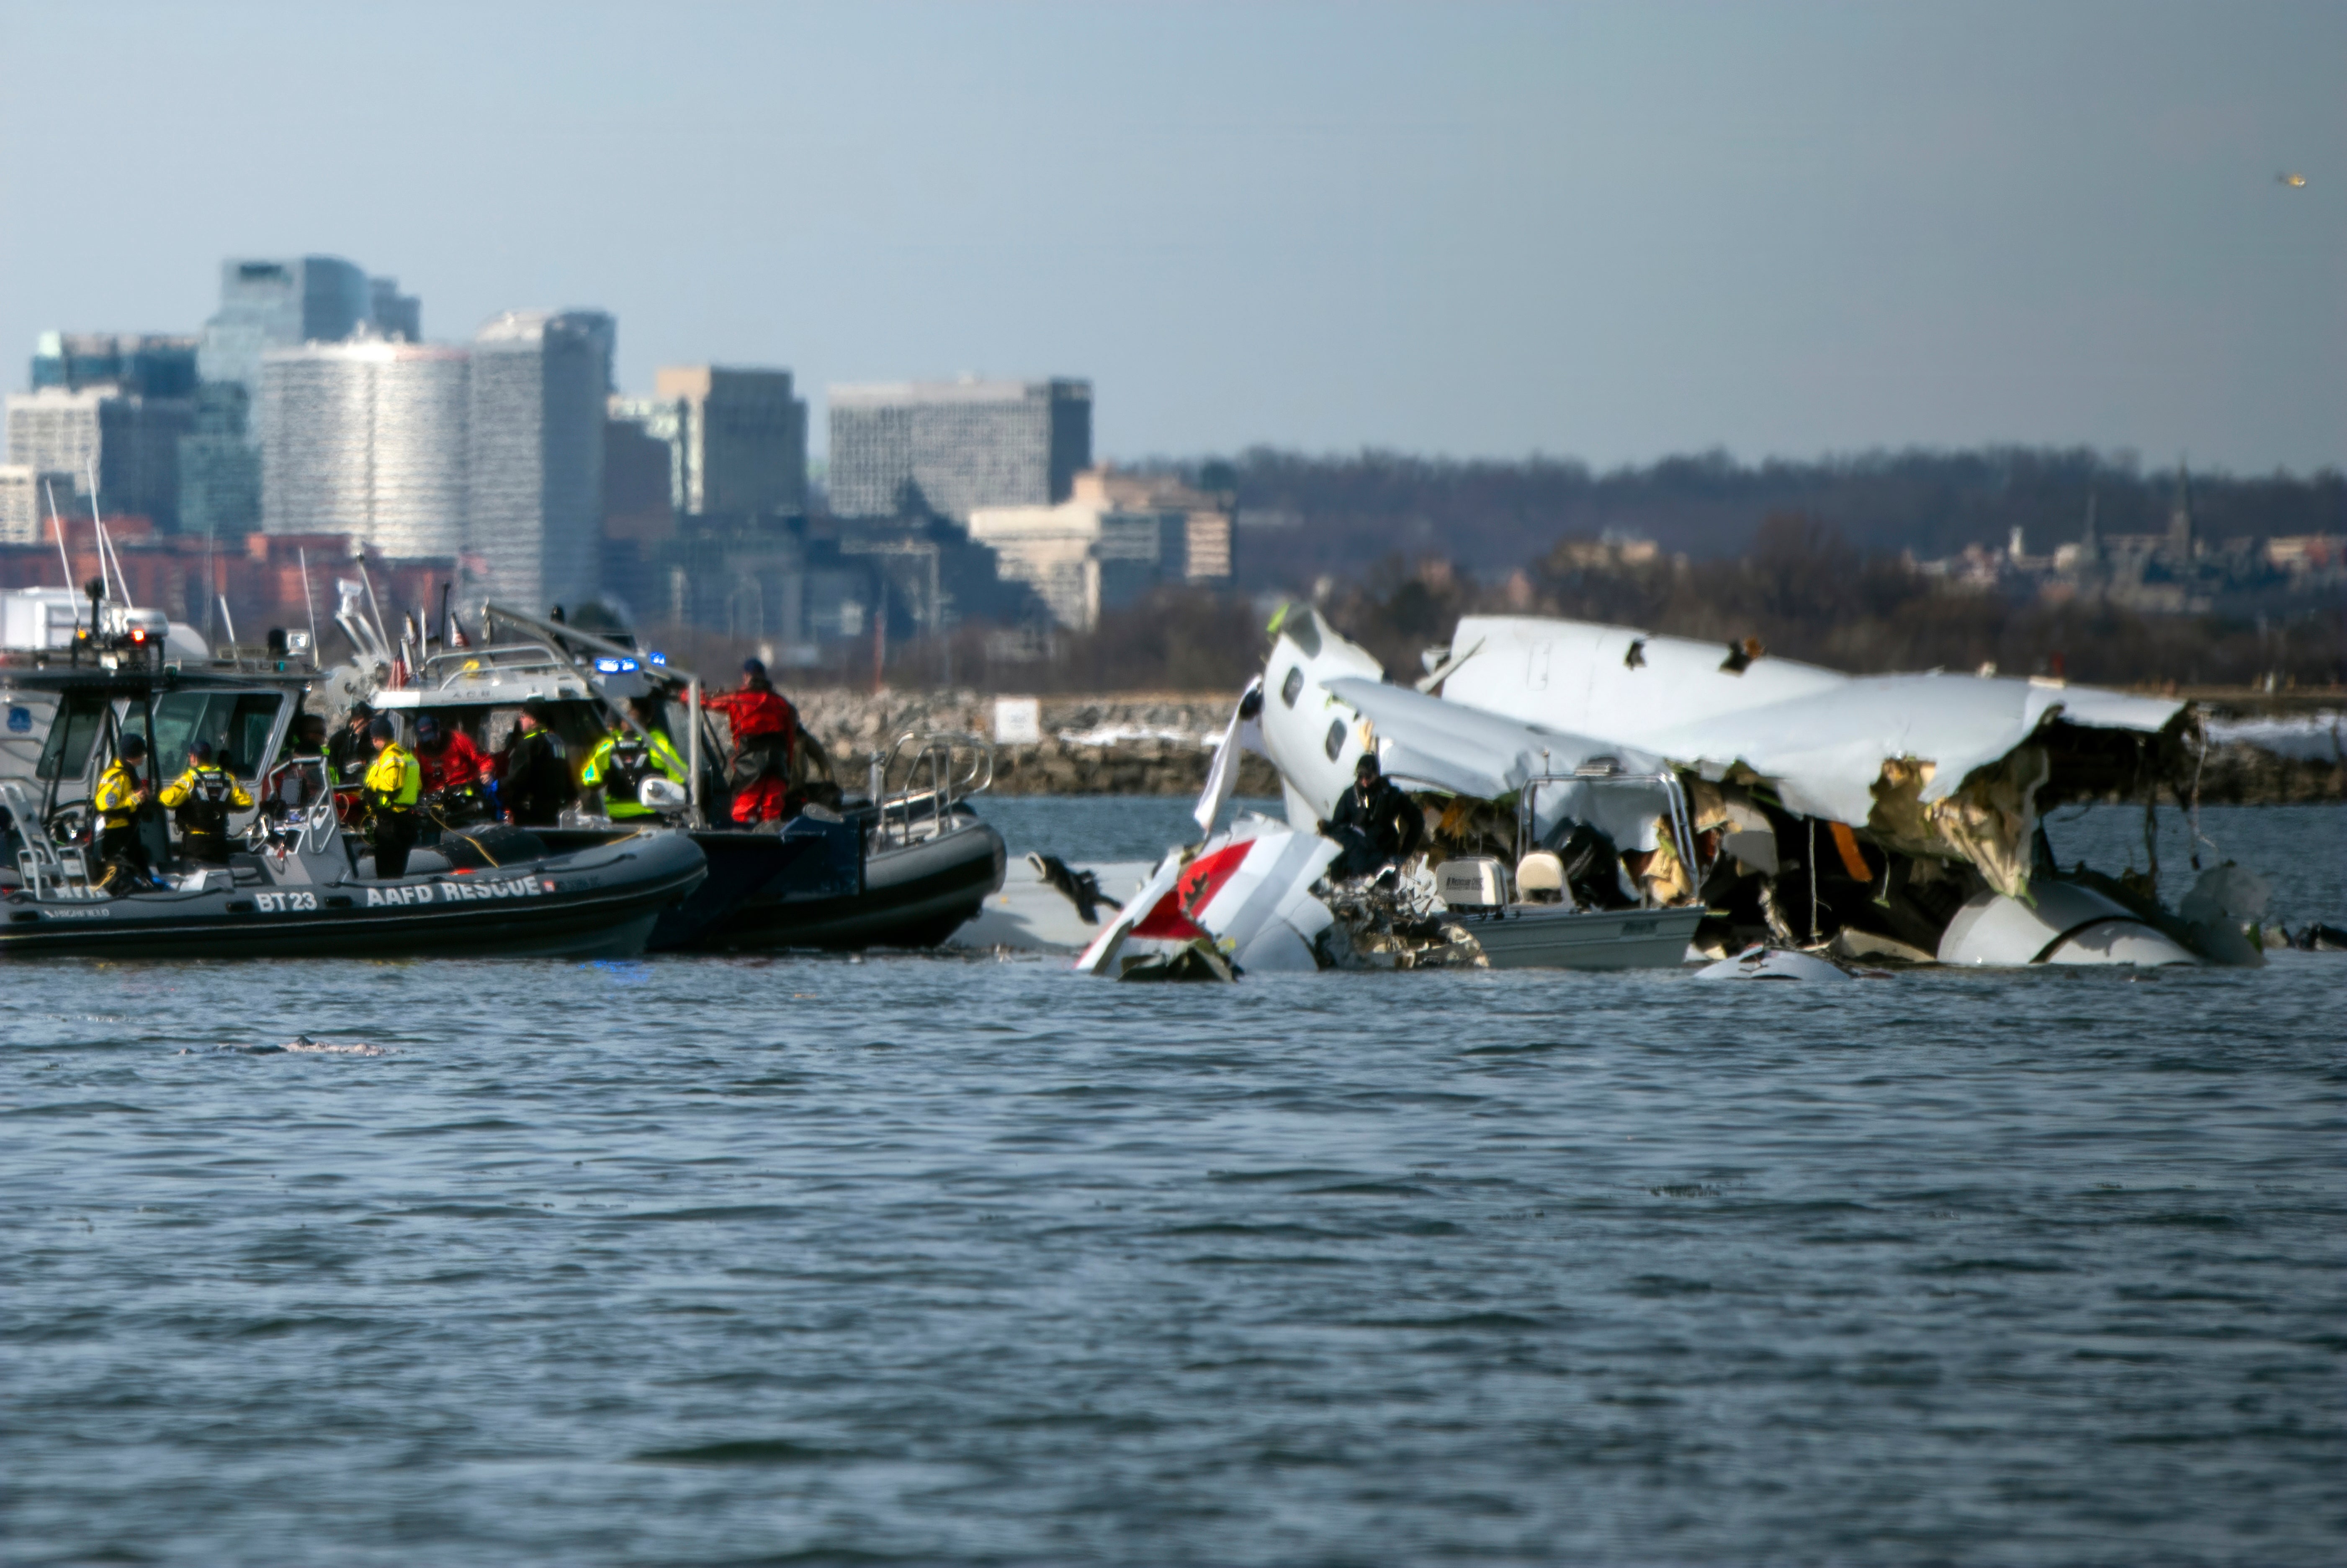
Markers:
1939,765
1819,736
1245,733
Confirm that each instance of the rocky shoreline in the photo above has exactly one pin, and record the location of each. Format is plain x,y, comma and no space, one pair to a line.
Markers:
1161,743
1143,744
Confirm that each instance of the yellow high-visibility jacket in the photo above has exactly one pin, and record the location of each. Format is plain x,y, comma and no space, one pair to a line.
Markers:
117,799
393,779
178,793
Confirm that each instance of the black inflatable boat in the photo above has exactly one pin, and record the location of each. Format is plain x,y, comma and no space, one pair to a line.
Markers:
307,894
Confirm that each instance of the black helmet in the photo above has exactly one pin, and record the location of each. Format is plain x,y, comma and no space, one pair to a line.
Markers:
134,745
427,729
538,708
1368,766
200,749
382,729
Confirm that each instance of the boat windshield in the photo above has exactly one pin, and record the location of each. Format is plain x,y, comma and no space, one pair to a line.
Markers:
81,718
237,723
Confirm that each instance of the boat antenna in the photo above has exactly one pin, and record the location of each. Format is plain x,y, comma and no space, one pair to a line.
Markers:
57,527
358,558
229,619
105,545
309,604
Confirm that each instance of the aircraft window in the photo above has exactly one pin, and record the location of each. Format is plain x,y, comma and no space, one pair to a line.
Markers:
1292,686
1335,741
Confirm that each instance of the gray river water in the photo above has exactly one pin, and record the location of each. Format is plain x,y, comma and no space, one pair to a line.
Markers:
717,1261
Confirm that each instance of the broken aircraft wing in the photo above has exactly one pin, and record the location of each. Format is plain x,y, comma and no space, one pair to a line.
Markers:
1935,762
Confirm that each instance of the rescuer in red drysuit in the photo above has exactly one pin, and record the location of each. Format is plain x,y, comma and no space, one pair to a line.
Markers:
449,758
765,731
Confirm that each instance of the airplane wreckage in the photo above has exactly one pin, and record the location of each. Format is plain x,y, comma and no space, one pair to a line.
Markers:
1597,797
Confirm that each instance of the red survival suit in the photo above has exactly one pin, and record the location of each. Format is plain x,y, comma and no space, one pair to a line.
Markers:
455,764
765,731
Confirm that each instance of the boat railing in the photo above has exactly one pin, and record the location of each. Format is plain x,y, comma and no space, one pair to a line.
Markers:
940,767
51,871
475,666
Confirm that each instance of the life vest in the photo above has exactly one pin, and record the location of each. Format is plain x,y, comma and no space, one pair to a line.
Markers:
201,799
621,764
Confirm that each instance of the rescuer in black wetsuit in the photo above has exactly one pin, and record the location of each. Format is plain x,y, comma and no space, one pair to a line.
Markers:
533,780
1374,821
351,751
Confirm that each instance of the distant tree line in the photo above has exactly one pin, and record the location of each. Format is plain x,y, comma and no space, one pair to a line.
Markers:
1303,517
1807,591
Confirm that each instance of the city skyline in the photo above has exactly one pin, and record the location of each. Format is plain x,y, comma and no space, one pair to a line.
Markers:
1600,233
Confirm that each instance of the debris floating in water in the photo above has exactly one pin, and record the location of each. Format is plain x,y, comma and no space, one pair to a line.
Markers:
300,1045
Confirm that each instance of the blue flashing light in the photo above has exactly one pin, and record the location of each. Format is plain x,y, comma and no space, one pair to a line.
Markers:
658,660
615,666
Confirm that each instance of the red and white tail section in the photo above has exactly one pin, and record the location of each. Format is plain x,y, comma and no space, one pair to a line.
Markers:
1248,893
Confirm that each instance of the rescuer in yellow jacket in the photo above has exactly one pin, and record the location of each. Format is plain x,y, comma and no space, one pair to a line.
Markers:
394,781
119,795
623,760
201,799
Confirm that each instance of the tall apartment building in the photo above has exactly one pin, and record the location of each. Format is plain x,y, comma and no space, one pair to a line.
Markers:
150,365
26,494
739,440
219,467
367,438
541,382
130,443
281,303
955,446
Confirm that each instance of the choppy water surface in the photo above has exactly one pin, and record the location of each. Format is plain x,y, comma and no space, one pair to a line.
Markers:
728,1261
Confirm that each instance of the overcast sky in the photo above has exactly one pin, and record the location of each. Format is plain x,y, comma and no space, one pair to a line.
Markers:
1602,231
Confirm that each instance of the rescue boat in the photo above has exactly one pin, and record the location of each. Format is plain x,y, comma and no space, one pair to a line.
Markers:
297,883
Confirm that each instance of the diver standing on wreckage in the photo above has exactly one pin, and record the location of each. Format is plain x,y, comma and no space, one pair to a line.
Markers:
1375,824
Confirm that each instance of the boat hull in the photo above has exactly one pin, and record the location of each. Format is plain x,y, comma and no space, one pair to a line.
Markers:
594,904
912,896
1538,937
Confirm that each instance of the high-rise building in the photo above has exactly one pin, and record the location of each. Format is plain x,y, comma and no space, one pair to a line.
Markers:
367,438
1118,536
26,497
131,445
955,447
397,316
219,467
151,364
541,382
740,441
280,303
